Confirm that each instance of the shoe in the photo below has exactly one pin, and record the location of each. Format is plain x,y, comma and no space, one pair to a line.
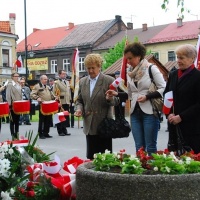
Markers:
28,123
42,137
67,134
48,136
61,134
72,126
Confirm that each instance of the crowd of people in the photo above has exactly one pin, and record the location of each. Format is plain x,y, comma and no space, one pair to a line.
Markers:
17,89
96,100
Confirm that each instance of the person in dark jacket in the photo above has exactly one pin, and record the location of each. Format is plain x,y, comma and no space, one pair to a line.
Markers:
185,86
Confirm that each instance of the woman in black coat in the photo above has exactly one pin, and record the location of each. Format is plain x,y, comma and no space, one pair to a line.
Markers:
185,113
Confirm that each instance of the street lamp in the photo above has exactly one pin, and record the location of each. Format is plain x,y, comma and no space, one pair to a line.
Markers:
25,31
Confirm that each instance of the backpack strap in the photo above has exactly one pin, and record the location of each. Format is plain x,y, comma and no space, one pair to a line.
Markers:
150,72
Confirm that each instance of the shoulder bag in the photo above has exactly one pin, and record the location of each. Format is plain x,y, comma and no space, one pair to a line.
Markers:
157,103
114,128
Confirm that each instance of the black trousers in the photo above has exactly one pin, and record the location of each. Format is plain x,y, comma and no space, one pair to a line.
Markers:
44,124
72,114
62,127
14,123
96,144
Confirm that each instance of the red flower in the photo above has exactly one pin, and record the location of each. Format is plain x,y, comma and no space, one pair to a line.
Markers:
30,193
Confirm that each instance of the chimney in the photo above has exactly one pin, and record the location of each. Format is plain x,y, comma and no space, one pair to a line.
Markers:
118,17
129,25
144,27
71,25
35,29
12,18
179,22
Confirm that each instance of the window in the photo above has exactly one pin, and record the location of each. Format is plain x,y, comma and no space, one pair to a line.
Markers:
156,55
54,68
5,54
171,56
66,65
81,64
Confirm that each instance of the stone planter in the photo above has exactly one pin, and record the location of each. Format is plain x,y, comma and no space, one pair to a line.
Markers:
93,185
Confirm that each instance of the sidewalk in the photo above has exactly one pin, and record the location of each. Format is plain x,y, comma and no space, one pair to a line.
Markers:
67,147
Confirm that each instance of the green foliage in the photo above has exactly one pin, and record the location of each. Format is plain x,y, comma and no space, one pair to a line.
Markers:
113,54
180,5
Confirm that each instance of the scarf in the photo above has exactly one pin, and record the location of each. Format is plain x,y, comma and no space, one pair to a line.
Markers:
182,73
139,70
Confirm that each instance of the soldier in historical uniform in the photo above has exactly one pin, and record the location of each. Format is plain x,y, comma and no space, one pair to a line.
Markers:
41,92
62,89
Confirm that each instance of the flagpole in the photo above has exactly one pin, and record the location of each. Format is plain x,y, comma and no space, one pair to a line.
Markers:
25,31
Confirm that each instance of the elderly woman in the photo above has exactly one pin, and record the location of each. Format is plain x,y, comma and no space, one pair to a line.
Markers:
144,123
185,85
93,104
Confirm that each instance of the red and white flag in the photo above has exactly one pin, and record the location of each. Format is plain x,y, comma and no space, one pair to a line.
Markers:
123,84
115,84
60,117
74,83
168,102
19,62
197,61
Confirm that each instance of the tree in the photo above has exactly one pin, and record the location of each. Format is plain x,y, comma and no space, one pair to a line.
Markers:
180,5
113,54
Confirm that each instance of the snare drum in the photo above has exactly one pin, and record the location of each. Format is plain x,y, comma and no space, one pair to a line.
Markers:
49,107
21,107
4,109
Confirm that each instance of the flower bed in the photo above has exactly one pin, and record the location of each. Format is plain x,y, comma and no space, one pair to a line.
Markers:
120,176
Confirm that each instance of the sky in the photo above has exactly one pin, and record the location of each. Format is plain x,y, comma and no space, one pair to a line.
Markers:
45,14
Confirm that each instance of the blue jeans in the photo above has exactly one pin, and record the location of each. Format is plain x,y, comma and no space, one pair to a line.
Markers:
145,130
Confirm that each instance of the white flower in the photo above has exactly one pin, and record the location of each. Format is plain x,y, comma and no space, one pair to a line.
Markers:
123,163
5,196
107,151
118,156
115,153
164,155
4,147
132,157
180,162
155,169
188,160
12,191
2,155
134,166
167,169
94,156
10,151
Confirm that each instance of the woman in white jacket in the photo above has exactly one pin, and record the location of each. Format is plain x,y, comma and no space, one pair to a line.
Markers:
144,123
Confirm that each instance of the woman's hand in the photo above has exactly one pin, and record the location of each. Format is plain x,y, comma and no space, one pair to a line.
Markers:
111,93
142,99
174,119
78,113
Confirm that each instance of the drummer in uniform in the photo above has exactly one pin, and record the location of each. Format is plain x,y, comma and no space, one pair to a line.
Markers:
14,93
62,89
41,92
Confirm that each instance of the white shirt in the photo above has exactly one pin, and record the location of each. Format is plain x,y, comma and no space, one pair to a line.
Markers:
93,83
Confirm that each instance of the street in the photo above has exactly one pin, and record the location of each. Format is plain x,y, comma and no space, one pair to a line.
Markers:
67,147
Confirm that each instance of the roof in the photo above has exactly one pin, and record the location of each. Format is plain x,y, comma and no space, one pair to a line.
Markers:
143,36
45,39
85,34
188,30
117,66
5,26
171,64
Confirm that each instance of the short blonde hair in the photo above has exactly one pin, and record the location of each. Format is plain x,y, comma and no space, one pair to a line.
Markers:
94,58
187,50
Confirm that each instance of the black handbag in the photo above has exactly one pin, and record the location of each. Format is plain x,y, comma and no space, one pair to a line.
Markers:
114,128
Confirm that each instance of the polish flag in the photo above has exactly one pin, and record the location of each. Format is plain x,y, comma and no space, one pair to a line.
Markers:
168,102
60,117
114,85
19,62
